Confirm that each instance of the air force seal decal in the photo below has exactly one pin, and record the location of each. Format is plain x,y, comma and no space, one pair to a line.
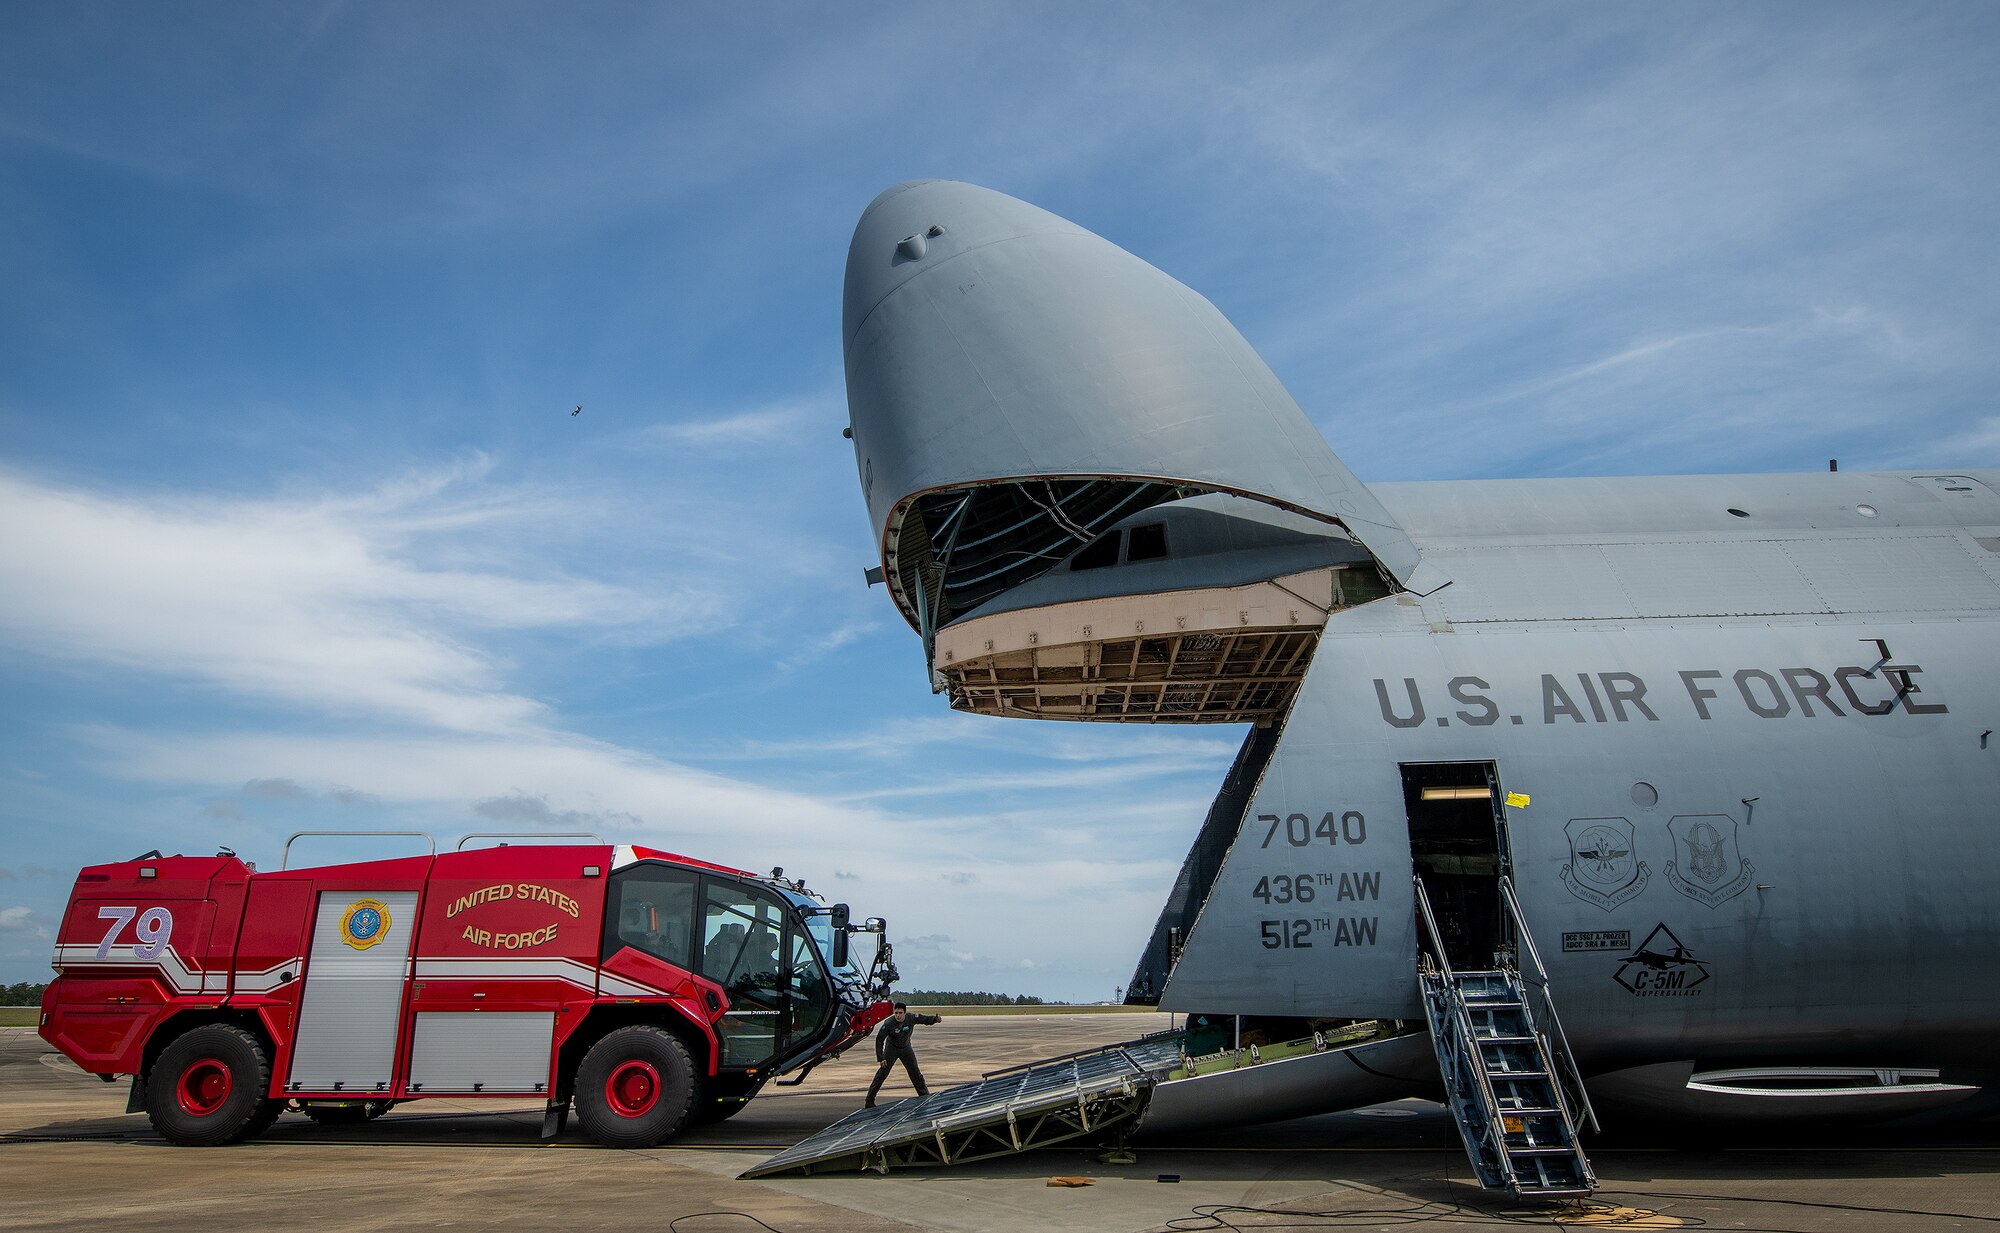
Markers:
1708,866
1603,868
365,923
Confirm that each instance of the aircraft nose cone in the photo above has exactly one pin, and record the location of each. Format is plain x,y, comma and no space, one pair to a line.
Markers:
989,342
920,224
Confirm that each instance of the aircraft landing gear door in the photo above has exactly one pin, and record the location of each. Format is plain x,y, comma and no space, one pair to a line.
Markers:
1458,846
354,992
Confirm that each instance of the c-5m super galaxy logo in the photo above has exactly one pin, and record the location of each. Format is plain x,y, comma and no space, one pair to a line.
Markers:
1661,967
365,923
1708,866
1602,866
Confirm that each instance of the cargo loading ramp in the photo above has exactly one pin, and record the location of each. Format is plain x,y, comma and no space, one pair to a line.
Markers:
1040,1105
1107,1094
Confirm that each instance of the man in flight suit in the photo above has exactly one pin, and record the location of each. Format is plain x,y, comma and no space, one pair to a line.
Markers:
892,1042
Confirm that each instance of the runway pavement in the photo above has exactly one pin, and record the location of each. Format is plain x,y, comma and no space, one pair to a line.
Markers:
71,1159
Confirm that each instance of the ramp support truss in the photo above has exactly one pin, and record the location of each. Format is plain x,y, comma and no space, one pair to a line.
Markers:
1083,1096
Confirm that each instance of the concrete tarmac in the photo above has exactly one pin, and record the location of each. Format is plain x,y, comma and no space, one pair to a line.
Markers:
71,1159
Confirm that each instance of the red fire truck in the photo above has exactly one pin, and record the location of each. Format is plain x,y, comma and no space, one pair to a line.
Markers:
651,990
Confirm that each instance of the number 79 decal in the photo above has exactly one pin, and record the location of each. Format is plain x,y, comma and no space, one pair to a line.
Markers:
155,927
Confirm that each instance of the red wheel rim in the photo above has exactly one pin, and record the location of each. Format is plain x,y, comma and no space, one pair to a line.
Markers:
204,1087
633,1089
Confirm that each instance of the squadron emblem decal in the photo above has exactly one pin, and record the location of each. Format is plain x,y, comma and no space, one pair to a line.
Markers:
1709,867
365,923
1603,868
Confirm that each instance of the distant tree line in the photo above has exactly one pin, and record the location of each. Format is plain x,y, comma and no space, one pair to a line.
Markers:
934,997
23,994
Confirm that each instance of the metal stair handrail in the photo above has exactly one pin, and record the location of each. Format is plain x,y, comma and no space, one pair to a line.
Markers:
1571,1077
1454,1017
1429,922
1494,1130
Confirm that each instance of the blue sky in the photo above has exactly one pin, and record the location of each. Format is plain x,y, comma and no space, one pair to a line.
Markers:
295,302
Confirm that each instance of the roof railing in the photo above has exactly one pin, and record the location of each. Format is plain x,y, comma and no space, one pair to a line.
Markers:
465,839
284,857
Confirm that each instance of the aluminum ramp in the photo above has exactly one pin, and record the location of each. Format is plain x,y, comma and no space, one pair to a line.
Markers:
1510,1082
1084,1094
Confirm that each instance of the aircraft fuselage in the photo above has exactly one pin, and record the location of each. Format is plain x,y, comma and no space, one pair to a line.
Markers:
1761,817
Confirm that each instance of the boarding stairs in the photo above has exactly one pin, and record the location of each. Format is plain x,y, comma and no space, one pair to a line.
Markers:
1510,1081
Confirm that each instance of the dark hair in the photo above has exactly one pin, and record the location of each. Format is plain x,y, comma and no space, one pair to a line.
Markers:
902,1006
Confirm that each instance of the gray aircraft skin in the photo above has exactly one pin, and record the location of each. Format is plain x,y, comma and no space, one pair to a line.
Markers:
1741,722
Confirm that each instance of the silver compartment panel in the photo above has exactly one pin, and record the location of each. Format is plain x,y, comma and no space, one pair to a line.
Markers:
490,1051
353,999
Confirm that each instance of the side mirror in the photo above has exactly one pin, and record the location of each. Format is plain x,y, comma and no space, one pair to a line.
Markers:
840,916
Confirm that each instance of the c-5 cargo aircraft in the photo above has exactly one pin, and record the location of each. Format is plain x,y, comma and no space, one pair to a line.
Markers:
1706,762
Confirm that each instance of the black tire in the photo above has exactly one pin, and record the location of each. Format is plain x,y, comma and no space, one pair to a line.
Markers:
207,1088
635,1088
266,1116
347,1114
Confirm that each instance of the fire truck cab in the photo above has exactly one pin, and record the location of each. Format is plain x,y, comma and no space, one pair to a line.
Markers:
649,990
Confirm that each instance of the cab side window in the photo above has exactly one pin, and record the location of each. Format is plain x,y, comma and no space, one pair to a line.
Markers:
741,932
650,908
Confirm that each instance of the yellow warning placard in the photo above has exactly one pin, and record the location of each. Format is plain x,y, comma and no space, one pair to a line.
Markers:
1517,800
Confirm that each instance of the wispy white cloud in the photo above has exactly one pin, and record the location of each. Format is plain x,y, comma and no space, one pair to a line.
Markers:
523,809
397,129
1026,779
21,919
1802,384
1976,444
786,423
829,643
883,740
1028,740
1571,200
276,789
325,603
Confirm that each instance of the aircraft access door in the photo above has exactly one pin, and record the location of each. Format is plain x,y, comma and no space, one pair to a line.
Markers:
1458,848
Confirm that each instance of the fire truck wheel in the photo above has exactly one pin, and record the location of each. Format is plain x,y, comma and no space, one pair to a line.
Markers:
207,1088
634,1088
